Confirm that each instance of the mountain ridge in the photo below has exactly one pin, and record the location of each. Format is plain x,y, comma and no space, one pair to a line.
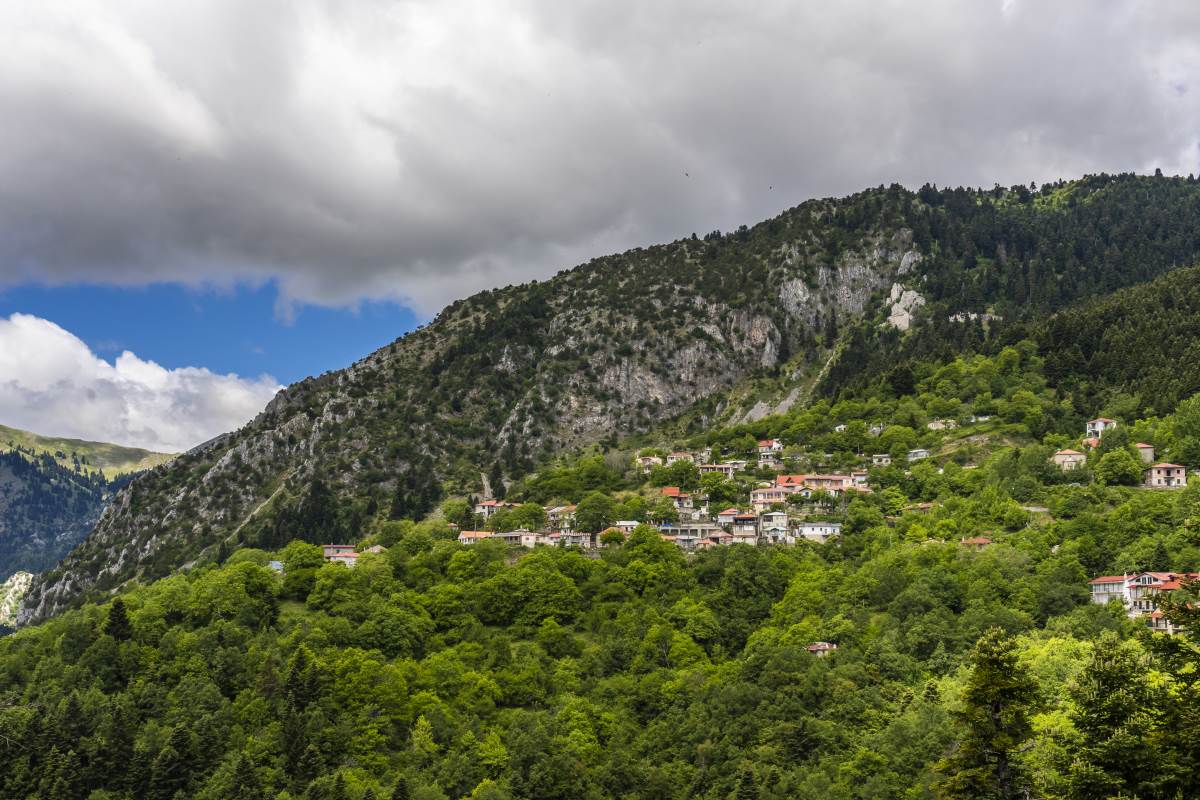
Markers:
510,377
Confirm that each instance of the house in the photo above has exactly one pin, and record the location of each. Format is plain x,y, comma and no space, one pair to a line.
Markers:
726,517
376,549
471,537
821,649
722,469
626,526
1146,452
833,484
975,542
1166,476
876,429
680,456
522,537
487,508
275,566
764,497
1067,460
647,463
349,559
858,478
881,460
819,532
690,535
561,518
839,428
587,541
718,539
331,551
942,425
683,500
792,482
1137,592
918,454
745,528
1097,427
775,527
770,446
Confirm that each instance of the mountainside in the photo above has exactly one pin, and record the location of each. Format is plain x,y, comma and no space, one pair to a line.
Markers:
46,509
503,380
112,460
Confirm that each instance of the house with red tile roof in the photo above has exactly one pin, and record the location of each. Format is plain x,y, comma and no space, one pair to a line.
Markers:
1145,452
1067,460
1166,476
1137,592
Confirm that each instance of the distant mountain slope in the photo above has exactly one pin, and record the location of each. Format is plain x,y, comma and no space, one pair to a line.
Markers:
46,509
110,459
503,380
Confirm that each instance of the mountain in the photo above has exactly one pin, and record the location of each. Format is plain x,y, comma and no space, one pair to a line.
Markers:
112,460
952,639
52,491
503,381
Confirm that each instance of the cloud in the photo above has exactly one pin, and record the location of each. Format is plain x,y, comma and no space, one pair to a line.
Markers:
52,383
417,151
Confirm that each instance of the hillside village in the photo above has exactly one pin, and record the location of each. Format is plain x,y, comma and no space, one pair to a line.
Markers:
788,508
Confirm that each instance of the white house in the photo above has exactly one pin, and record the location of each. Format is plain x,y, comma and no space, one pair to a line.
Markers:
918,454
1097,427
726,517
471,537
819,532
821,649
775,528
680,456
881,460
1146,452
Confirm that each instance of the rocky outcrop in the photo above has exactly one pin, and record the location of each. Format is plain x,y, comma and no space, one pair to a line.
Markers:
12,592
904,302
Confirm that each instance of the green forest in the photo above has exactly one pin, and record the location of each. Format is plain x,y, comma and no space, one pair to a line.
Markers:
436,670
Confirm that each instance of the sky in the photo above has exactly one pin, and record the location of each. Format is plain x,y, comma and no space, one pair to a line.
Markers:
229,196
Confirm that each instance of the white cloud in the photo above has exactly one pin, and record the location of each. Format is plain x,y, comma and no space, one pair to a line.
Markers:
418,150
52,383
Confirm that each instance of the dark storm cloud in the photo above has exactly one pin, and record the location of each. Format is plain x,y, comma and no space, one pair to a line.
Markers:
419,151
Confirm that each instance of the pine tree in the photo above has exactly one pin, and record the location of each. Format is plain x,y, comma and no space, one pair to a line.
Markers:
246,785
1114,714
117,625
992,725
401,792
339,789
747,785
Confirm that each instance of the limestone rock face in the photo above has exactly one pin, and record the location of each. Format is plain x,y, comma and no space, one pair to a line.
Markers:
12,592
903,303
